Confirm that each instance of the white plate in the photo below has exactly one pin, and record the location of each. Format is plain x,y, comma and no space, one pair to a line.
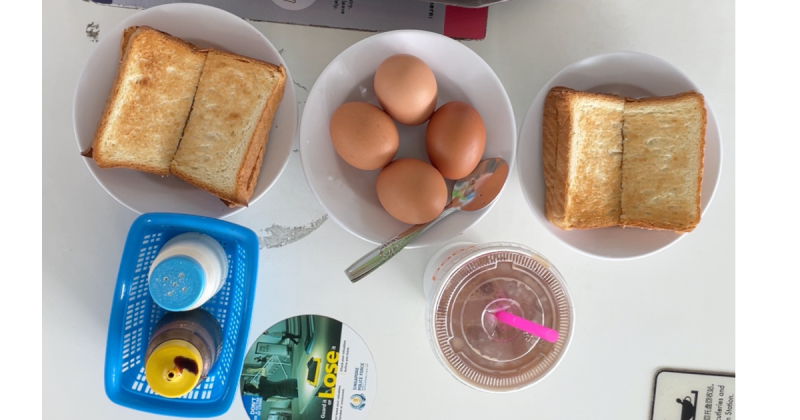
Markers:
627,74
205,27
348,194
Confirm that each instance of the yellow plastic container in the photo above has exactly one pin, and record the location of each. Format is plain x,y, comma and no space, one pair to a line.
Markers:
183,348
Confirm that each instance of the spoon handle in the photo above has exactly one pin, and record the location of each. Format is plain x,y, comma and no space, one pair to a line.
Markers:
378,256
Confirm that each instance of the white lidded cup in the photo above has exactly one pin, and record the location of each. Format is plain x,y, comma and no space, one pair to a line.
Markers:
188,271
465,283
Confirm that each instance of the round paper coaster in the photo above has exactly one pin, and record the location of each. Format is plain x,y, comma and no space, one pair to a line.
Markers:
308,367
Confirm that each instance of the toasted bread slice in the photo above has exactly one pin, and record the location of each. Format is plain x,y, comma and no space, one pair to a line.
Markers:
224,140
582,155
149,102
662,166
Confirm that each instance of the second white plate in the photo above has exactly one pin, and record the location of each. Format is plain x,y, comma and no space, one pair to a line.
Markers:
626,74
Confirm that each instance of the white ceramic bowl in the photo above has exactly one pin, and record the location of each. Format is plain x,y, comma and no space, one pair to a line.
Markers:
205,27
627,74
348,194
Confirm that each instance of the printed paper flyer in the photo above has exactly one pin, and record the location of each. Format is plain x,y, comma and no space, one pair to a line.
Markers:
685,395
364,15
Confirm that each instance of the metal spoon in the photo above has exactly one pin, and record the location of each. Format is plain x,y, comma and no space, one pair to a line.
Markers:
473,192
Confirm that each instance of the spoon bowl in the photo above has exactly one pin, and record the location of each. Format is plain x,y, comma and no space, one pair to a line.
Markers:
473,192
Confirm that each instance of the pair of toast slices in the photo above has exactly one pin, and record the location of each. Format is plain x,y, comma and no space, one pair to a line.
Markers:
614,161
201,115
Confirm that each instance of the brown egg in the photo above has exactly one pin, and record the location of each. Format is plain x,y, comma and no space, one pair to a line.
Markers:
412,191
406,89
363,135
455,139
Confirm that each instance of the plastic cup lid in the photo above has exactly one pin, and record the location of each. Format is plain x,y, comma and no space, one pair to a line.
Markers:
479,350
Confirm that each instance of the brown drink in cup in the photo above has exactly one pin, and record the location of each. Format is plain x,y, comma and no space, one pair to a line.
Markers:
465,284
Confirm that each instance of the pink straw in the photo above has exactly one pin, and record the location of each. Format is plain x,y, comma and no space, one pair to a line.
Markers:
527,326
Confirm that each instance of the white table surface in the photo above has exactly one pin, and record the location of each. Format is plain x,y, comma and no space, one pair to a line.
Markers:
674,309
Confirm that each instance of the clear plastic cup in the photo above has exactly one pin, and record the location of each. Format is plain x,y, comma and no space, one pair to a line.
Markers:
465,284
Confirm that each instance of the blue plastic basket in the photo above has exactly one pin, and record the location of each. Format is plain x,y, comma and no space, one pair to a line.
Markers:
134,314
